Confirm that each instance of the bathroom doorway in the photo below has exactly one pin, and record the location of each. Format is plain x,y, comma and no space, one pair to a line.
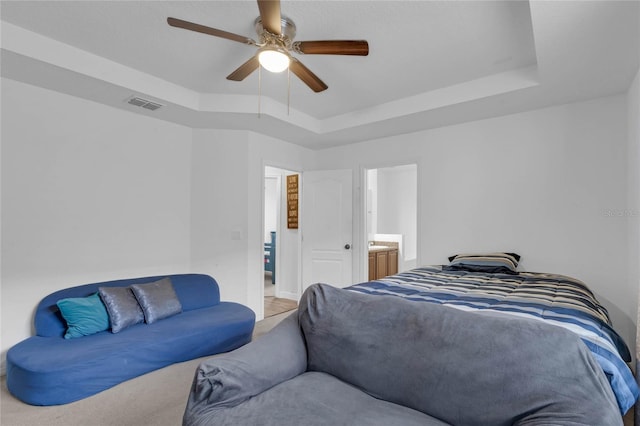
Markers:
391,220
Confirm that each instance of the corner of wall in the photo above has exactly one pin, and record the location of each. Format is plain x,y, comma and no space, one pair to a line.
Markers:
633,98
633,125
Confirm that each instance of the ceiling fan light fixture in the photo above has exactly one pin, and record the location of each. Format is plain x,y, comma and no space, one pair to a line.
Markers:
274,60
275,42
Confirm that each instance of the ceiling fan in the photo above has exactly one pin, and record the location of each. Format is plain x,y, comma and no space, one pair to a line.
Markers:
276,45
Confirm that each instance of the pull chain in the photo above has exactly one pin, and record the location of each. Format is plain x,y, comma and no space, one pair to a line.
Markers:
288,89
259,89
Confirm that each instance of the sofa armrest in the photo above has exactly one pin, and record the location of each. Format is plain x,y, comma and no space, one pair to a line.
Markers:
636,417
229,379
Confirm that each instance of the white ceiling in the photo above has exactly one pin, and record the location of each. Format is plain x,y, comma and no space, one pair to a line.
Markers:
431,63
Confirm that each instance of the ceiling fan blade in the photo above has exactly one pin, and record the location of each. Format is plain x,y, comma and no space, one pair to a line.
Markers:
332,47
245,69
270,15
305,74
179,23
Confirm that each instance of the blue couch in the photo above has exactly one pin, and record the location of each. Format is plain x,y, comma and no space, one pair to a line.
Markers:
47,369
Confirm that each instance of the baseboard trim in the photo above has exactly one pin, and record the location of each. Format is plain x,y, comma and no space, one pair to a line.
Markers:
288,295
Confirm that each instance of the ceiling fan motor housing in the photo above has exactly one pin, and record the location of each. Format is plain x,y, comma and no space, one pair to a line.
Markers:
287,31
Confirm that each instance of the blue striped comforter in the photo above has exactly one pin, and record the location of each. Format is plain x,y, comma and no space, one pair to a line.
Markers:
555,299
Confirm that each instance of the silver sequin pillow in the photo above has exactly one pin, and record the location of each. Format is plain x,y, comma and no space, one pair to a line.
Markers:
158,300
122,307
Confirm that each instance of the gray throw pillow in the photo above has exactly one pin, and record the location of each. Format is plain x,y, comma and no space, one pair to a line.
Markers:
157,299
122,307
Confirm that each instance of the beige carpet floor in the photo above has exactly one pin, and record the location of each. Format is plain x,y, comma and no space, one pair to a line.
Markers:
155,399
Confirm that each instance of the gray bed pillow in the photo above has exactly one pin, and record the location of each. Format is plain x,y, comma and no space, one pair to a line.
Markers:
122,307
158,300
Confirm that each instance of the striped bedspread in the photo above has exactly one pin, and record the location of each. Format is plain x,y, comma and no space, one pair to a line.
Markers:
555,299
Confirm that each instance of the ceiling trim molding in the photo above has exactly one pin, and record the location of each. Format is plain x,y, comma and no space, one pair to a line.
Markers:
44,49
36,47
492,85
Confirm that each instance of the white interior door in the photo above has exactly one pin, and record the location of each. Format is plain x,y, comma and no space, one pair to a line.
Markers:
327,228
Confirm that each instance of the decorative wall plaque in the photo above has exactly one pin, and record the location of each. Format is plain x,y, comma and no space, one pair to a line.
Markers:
292,201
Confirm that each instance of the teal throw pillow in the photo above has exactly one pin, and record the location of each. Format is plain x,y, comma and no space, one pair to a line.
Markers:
84,315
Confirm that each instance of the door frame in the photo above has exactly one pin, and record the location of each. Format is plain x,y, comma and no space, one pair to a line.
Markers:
363,264
278,203
282,210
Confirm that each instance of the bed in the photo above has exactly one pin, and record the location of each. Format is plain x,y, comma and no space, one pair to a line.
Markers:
555,299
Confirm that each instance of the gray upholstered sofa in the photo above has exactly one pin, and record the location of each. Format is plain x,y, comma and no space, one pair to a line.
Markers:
347,358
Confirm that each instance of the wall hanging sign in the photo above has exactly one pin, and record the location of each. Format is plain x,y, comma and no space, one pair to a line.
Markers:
292,201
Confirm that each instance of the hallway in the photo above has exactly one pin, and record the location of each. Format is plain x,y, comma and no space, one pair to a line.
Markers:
274,305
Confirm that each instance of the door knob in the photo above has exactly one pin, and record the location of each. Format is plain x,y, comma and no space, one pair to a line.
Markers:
347,246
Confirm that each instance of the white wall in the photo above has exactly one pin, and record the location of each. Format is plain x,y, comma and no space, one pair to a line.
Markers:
89,193
633,122
227,203
372,203
539,183
219,209
93,193
271,205
397,205
264,152
633,114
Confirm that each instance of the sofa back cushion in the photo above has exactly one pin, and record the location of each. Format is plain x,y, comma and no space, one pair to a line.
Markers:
461,367
193,290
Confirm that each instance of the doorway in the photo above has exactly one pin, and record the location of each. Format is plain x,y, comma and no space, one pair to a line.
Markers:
391,213
327,208
280,246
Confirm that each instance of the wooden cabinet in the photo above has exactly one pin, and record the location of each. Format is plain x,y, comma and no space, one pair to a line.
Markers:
372,266
392,262
382,263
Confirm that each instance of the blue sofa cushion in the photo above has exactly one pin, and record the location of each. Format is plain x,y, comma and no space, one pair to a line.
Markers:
84,315
122,305
158,300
